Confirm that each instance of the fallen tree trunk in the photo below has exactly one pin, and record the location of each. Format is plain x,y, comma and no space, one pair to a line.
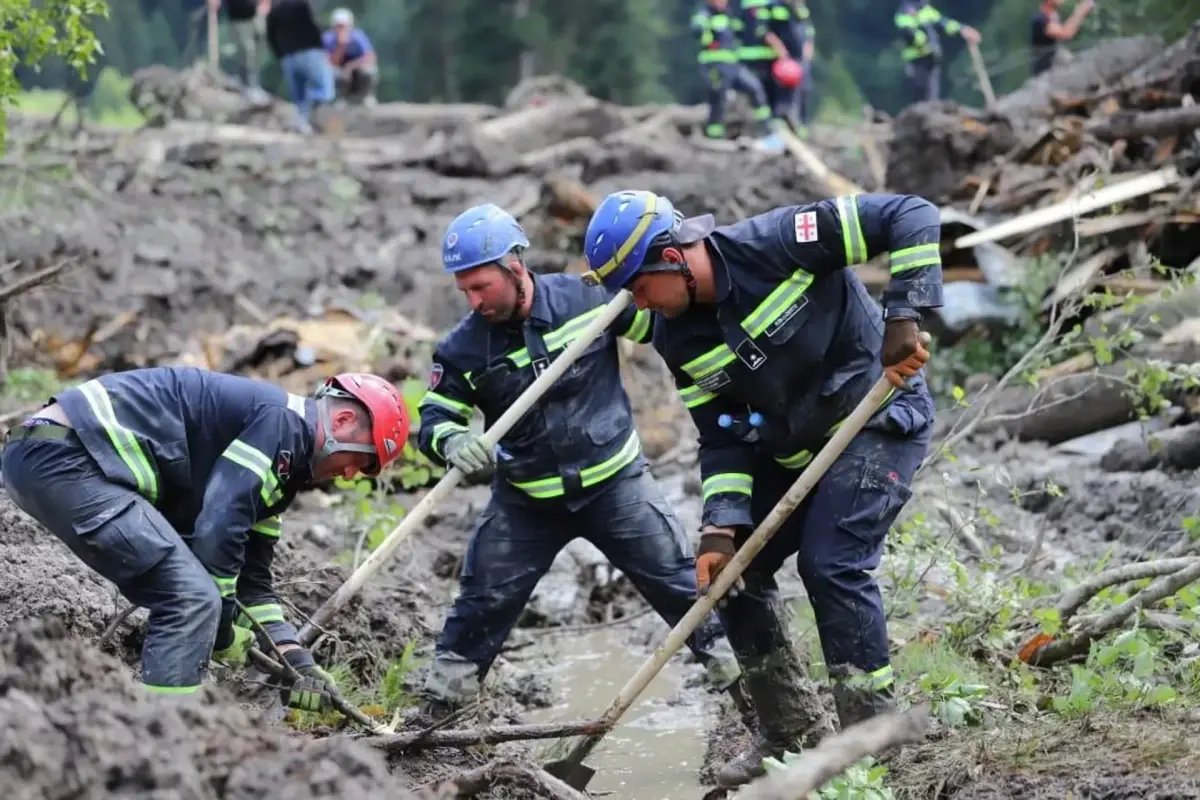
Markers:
1135,124
494,734
817,767
1174,448
1075,405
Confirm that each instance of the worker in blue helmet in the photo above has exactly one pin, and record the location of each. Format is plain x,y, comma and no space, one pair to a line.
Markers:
772,343
573,466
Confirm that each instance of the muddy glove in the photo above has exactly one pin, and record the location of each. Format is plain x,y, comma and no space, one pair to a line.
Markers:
470,455
234,653
312,691
716,550
903,354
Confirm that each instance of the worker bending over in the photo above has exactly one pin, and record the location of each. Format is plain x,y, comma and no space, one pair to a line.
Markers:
572,466
921,26
717,33
773,343
170,482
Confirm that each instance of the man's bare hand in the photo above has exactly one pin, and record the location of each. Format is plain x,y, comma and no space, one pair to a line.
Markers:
972,35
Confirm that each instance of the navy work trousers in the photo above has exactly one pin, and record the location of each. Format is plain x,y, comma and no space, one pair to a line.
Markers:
515,543
837,535
120,535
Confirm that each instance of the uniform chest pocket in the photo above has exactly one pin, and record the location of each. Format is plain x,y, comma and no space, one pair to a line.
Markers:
787,322
503,383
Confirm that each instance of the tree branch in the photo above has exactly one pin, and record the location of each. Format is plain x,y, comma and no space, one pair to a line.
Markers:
494,734
1077,597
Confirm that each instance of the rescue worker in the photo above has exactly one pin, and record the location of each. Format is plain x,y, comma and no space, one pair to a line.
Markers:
353,57
170,482
767,27
803,41
1048,32
772,342
573,466
921,26
717,33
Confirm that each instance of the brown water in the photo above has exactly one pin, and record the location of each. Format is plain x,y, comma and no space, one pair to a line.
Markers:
656,751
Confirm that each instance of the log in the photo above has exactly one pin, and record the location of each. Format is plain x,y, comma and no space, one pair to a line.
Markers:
1076,405
1078,596
818,766
494,734
1136,124
1175,448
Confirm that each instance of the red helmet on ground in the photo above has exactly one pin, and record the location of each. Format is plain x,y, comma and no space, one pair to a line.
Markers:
386,408
787,72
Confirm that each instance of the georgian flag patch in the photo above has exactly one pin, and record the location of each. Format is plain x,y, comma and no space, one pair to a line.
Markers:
806,226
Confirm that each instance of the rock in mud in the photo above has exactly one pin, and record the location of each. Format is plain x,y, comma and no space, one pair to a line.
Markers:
76,726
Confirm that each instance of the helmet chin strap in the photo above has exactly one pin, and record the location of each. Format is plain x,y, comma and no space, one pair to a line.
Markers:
331,445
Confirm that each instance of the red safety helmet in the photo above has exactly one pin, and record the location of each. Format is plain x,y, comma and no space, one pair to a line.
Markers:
787,72
387,410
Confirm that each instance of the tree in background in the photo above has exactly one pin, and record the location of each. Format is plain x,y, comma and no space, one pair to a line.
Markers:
30,31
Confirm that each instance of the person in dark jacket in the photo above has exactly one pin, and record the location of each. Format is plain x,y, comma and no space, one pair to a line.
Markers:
921,26
170,482
573,466
773,342
295,39
1048,32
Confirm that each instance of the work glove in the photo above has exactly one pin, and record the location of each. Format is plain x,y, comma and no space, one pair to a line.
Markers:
234,654
470,455
903,354
716,551
313,690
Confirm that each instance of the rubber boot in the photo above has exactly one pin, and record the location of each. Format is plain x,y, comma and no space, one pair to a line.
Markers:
450,684
789,714
855,696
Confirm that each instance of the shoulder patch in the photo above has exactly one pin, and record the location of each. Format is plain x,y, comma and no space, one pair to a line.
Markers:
435,376
283,464
805,223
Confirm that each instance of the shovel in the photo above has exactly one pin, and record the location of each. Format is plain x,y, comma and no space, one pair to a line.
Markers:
571,770
416,517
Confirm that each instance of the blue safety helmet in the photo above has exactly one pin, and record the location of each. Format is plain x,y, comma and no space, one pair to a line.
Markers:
623,231
483,234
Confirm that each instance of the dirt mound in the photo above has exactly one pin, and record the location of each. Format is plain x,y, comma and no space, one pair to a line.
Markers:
75,726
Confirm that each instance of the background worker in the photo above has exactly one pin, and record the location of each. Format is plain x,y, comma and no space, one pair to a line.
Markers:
1048,32
295,39
767,27
170,482
921,27
717,34
773,342
353,58
573,466
246,23
803,42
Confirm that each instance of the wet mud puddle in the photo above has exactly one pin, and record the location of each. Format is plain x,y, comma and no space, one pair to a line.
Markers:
656,751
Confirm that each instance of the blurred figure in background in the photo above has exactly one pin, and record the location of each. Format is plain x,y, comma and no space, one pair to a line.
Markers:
1048,31
246,22
295,39
803,37
353,58
922,27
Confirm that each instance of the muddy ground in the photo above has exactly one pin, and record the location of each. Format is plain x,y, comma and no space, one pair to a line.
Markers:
170,233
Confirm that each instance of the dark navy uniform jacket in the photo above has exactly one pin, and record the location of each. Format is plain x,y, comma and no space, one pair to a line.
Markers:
220,456
581,432
794,335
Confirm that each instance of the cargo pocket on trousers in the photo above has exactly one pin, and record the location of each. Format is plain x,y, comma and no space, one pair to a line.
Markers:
127,545
879,495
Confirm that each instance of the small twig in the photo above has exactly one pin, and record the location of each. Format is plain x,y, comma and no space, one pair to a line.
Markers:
43,275
116,623
283,669
817,767
494,734
1077,644
535,779
1078,596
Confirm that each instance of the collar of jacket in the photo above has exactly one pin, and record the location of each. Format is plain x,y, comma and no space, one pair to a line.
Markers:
539,309
720,269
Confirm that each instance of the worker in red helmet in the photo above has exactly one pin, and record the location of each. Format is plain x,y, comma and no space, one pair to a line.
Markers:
170,482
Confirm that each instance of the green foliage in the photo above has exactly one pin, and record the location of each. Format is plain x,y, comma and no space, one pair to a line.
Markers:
379,699
36,29
31,384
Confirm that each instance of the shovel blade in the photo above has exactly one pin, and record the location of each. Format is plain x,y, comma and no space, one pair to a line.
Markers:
572,774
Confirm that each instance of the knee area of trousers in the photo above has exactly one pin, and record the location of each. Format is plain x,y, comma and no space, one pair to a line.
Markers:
201,604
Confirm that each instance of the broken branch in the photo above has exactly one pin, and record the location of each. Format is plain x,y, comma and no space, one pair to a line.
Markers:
494,734
817,767
43,275
1078,597
1077,644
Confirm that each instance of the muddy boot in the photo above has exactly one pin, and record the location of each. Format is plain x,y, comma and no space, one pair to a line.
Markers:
789,711
450,684
859,696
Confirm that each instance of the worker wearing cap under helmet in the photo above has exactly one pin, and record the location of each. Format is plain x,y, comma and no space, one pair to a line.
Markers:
572,466
773,342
